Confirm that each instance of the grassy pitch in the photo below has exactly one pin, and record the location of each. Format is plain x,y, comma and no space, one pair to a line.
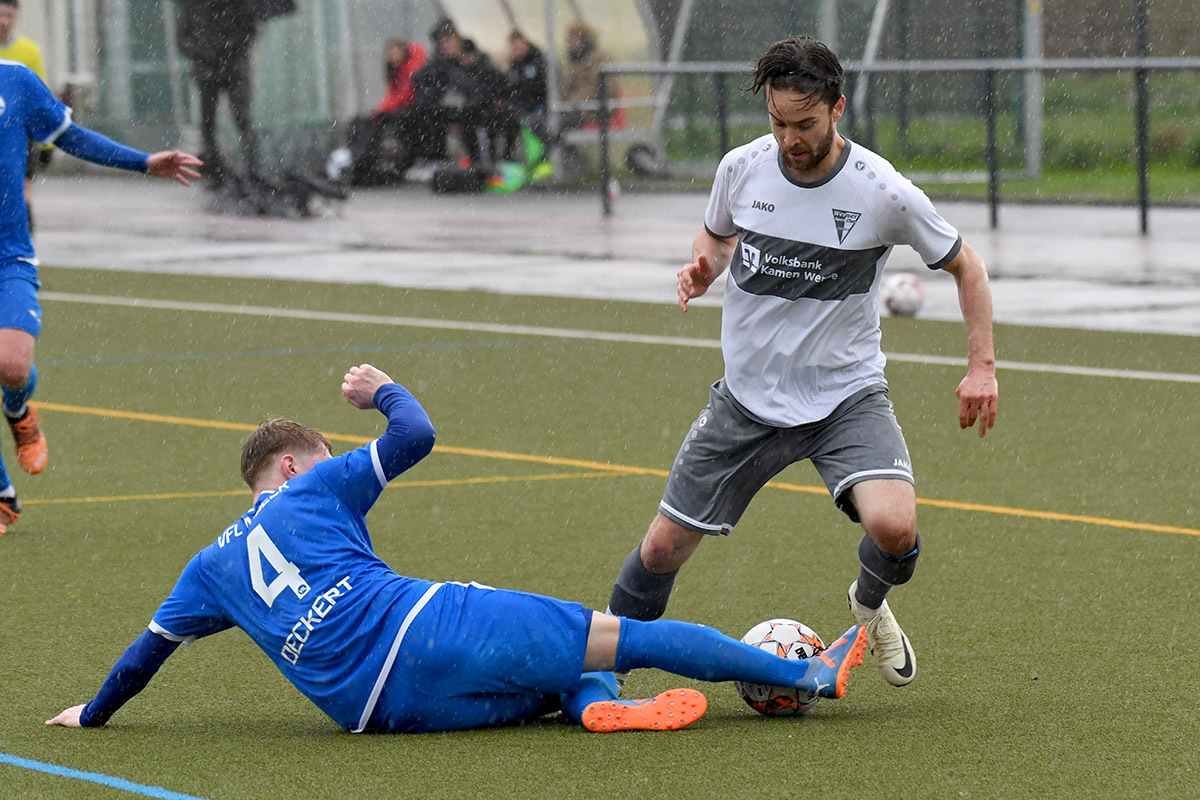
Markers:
1052,613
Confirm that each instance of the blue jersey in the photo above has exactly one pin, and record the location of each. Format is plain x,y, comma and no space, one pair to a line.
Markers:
28,110
298,574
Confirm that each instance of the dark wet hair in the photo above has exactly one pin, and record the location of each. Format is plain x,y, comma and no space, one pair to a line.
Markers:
800,64
274,437
12,3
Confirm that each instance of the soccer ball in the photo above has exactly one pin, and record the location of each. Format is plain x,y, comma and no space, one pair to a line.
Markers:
786,638
903,295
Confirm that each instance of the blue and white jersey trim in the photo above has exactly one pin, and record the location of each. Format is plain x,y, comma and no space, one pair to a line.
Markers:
391,656
166,634
66,123
377,465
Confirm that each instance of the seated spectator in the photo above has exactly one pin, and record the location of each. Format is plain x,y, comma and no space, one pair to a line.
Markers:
581,77
373,140
527,92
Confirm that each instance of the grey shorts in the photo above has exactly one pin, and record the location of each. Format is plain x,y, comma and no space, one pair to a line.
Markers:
727,457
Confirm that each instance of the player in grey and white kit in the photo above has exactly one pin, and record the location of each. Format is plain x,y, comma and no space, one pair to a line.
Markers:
804,220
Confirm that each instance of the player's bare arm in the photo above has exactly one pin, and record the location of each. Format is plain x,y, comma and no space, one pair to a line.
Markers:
710,257
175,165
978,392
361,383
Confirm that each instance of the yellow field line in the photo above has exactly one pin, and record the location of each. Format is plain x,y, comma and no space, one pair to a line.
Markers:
597,467
119,498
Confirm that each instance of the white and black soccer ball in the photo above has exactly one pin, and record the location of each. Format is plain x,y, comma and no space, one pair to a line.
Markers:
786,638
902,294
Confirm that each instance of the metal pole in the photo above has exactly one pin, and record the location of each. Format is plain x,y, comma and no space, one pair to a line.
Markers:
1142,122
722,114
989,100
1034,93
605,176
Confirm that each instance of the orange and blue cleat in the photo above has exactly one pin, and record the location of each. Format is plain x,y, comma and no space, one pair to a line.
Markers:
32,453
669,711
835,662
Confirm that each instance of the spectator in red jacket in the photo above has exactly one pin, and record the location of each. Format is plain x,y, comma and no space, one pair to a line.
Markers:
403,60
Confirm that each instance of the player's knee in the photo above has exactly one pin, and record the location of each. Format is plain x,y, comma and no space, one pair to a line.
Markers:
667,545
14,370
894,532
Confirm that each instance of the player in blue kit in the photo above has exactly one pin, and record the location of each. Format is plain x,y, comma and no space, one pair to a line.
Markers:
379,651
28,110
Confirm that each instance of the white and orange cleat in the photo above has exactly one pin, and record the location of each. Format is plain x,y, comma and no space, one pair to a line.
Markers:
669,711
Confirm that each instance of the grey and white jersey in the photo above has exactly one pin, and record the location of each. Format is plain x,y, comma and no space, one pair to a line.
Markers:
800,327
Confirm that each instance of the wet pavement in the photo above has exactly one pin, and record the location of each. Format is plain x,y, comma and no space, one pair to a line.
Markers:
1069,266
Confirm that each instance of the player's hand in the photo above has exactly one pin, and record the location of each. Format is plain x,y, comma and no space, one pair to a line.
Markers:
693,280
175,165
68,718
361,383
977,397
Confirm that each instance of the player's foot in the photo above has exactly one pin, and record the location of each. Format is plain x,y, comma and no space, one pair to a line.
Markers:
836,661
10,512
32,452
669,711
890,647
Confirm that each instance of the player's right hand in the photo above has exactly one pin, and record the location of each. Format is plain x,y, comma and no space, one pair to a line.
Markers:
69,718
693,280
361,383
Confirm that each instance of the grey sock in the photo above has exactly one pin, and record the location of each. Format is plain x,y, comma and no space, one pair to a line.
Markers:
880,571
638,592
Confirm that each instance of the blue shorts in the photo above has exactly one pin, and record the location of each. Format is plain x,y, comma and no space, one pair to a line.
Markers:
18,298
478,656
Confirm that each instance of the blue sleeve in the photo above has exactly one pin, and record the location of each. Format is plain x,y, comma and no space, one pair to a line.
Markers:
409,436
358,477
129,676
91,146
190,611
46,118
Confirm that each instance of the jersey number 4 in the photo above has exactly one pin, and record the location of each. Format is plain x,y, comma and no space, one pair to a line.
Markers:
258,547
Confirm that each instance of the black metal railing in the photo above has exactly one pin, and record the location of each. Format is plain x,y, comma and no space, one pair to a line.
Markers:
988,68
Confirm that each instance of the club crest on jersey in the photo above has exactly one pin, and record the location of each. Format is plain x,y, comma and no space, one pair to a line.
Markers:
751,257
844,222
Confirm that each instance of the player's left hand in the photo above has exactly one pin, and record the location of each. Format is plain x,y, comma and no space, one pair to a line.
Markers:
173,164
361,383
978,395
68,718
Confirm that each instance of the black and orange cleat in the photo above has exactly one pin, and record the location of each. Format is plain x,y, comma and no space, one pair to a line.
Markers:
32,453
10,512
669,711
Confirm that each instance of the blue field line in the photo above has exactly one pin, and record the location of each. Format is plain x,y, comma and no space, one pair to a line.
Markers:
96,777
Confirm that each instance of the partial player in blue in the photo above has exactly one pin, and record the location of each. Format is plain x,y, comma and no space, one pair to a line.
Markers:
28,110
379,651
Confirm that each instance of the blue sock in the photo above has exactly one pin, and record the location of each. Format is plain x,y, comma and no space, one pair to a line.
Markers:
700,652
15,399
5,481
594,687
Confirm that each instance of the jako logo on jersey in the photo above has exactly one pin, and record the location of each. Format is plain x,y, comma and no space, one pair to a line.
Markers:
768,207
751,257
844,222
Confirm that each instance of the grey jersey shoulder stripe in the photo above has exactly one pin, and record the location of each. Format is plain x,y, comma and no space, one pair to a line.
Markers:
946,259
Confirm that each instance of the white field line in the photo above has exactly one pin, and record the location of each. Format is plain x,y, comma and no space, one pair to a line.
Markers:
570,333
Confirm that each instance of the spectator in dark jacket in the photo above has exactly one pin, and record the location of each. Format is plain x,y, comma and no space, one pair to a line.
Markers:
218,35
